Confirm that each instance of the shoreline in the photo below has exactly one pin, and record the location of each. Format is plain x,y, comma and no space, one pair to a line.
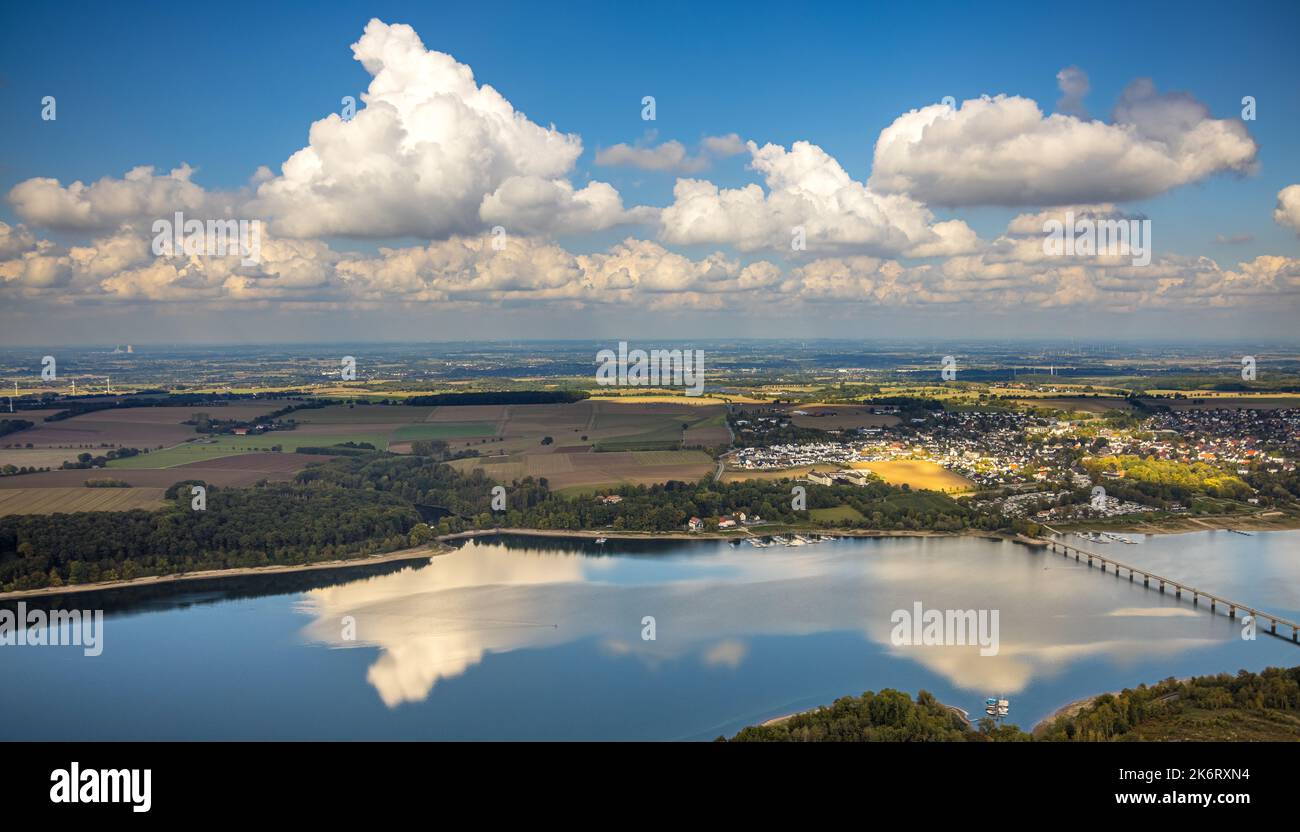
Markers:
1263,522
416,553
440,547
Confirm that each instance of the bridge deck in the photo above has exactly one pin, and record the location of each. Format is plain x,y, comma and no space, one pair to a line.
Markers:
1179,586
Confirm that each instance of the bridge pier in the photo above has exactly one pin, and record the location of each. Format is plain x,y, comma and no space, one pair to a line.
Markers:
1147,577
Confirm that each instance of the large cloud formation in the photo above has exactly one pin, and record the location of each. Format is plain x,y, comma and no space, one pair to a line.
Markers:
432,154
1004,151
807,189
435,156
139,195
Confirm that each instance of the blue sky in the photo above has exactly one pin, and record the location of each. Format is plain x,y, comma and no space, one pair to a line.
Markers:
229,88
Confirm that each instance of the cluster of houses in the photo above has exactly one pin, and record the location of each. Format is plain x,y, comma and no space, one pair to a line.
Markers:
726,521
843,476
790,456
988,448
1022,505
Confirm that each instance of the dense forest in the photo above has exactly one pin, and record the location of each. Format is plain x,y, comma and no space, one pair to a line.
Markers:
272,524
888,716
1248,706
8,426
1165,480
355,505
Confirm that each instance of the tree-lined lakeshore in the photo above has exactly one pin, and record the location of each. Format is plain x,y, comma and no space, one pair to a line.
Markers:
1246,707
374,504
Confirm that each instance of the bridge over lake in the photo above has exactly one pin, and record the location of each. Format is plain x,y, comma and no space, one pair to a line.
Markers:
1178,587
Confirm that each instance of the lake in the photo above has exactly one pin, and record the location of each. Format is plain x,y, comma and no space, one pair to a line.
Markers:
543,638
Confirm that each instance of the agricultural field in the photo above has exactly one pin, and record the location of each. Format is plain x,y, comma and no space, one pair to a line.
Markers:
36,457
1081,404
918,473
588,471
1202,400
838,417
592,444
238,470
605,424
223,446
363,414
70,500
798,471
914,473
836,514
136,427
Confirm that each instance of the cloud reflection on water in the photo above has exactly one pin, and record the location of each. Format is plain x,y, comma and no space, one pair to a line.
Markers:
439,621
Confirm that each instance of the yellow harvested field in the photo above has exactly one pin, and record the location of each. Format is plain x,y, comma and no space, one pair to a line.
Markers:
915,473
69,500
918,473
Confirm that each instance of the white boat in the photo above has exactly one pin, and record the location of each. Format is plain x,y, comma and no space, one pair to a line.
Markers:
778,540
600,540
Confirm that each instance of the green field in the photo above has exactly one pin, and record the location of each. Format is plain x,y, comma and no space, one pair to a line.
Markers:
444,430
363,414
289,441
835,515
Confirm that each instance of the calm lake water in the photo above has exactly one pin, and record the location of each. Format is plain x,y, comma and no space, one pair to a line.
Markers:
536,638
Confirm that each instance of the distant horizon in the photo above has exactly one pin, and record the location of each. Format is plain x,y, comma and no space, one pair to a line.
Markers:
883,341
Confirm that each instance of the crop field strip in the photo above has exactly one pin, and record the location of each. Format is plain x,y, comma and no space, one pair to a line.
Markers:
71,500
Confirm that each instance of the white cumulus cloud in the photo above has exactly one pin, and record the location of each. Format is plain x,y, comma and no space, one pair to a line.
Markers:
432,154
1004,151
